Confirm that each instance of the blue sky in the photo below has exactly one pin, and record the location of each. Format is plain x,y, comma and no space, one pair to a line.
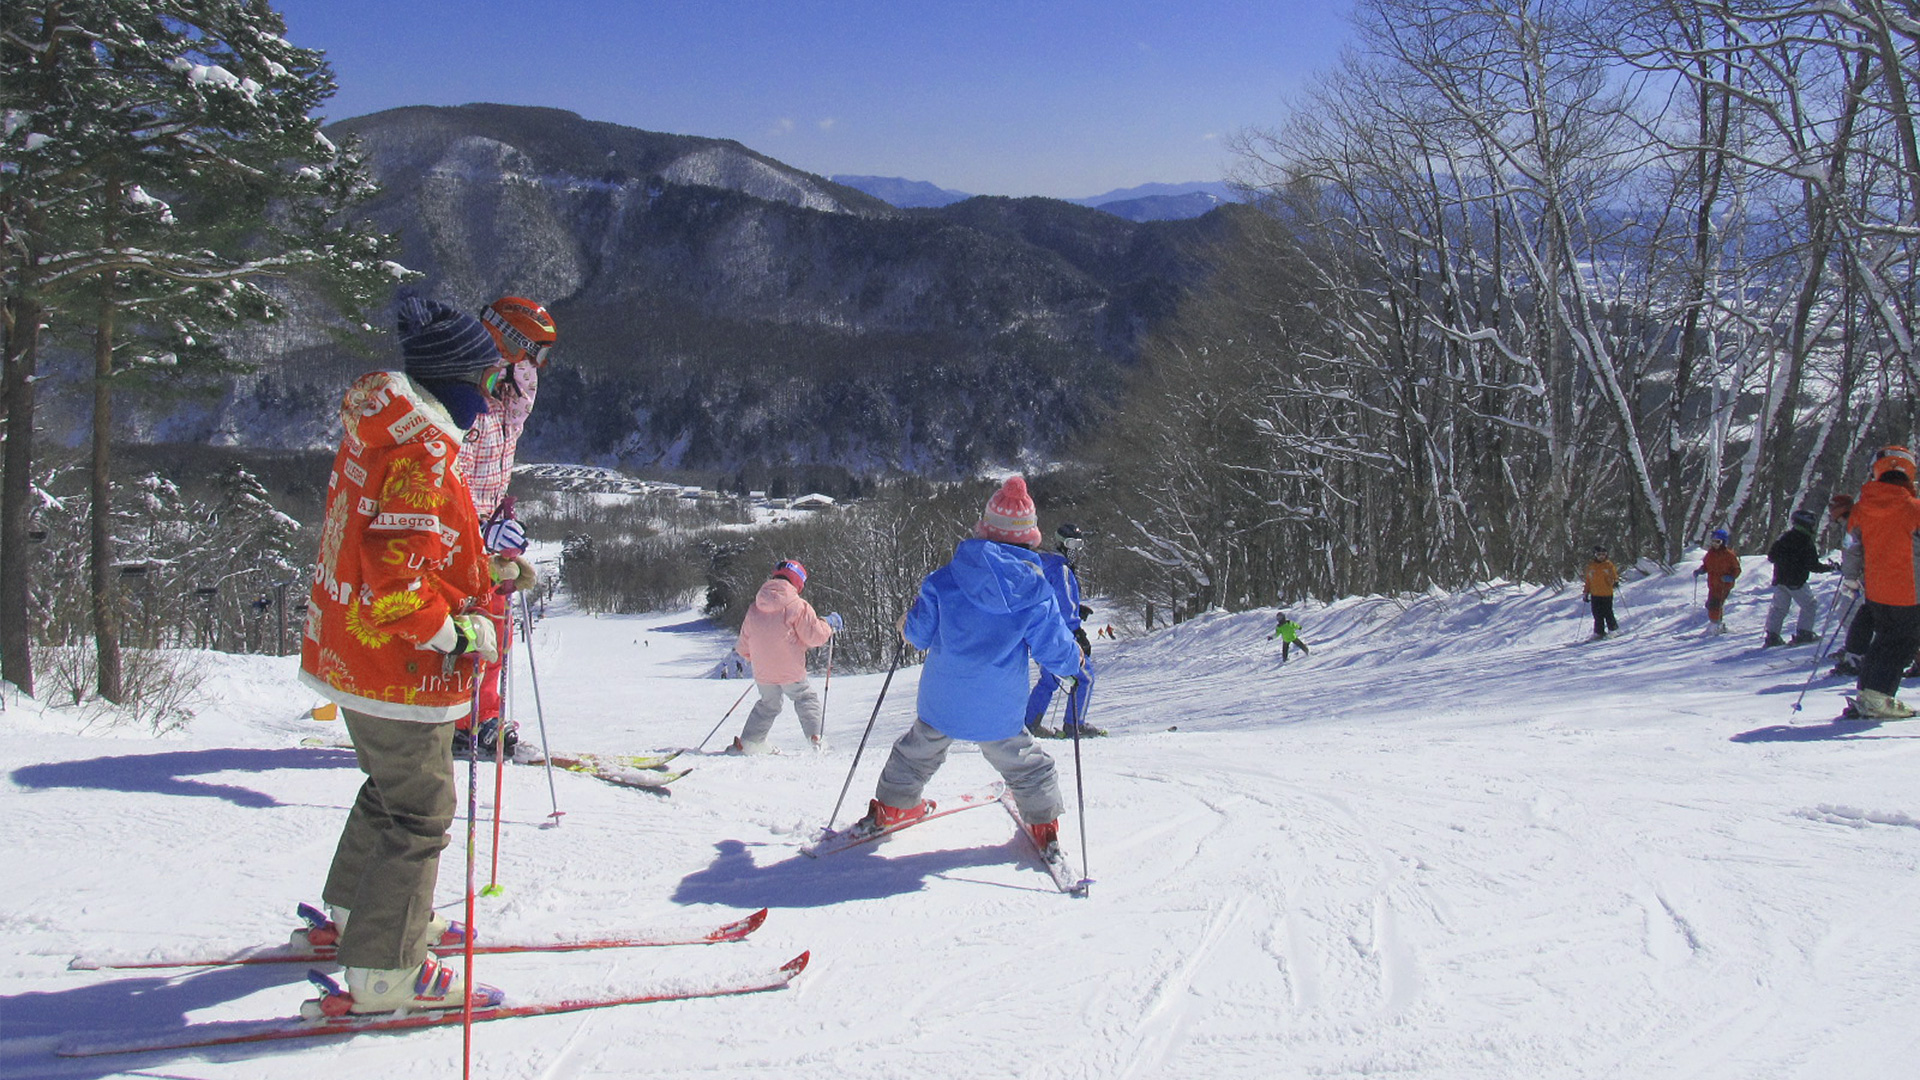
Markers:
1042,97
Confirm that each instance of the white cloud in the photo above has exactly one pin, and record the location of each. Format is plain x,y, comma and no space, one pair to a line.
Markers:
782,126
826,124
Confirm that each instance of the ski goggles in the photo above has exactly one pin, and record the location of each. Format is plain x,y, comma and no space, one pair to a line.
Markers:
489,380
534,352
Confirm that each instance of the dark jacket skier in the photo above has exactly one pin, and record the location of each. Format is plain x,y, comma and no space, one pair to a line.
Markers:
1794,559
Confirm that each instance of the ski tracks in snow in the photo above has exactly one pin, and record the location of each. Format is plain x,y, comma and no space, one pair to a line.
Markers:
1312,937
1157,1035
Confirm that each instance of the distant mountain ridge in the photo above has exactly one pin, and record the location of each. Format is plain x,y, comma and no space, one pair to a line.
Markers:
1146,202
1219,189
719,309
905,194
1163,207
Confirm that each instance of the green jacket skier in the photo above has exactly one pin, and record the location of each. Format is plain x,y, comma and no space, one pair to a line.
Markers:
1288,632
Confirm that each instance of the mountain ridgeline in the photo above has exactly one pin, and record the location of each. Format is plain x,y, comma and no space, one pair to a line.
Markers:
719,310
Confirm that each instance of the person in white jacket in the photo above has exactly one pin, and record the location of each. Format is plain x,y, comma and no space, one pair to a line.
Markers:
774,637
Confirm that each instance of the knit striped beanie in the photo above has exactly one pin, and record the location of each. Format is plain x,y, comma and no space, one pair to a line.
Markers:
438,341
1010,516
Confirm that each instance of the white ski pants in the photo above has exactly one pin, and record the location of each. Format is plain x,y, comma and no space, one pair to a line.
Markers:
760,718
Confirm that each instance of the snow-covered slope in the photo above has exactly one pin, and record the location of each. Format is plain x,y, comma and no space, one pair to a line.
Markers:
1455,841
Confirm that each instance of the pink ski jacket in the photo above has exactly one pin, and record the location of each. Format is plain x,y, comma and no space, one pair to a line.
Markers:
777,632
486,454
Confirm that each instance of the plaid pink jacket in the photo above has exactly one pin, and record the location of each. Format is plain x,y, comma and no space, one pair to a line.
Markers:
486,458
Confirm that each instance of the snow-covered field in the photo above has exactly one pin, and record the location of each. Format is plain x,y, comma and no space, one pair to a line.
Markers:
1453,842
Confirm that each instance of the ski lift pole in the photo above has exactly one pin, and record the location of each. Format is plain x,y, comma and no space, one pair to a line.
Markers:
539,709
899,653
1832,633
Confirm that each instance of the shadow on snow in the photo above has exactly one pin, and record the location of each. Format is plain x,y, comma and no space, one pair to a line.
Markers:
167,773
1839,728
141,1003
734,879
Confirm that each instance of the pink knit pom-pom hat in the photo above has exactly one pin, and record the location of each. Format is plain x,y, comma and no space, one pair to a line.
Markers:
1010,516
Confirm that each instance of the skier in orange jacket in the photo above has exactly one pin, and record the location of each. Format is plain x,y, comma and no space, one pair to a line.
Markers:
1881,558
1721,564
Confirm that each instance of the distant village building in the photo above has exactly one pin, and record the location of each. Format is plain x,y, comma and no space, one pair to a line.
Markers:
815,501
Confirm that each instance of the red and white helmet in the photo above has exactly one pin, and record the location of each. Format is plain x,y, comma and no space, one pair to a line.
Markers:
522,329
792,571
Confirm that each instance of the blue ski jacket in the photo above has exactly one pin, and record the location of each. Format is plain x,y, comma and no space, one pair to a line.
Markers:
1066,585
980,618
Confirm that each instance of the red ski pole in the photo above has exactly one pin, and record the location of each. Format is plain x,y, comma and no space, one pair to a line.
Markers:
473,795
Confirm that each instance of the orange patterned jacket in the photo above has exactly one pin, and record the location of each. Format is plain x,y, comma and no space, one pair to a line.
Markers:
399,553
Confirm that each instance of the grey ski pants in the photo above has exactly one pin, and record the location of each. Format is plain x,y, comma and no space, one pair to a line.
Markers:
388,859
760,718
1027,769
1784,598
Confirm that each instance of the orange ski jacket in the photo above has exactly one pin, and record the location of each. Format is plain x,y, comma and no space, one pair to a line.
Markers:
400,552
1602,577
1722,565
1882,552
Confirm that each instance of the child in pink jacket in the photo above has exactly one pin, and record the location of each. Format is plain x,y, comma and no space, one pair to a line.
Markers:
775,636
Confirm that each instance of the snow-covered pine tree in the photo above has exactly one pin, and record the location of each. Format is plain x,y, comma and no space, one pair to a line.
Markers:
161,157
157,530
255,554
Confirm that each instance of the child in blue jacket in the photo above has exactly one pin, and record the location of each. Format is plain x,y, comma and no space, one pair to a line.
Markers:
1059,571
980,618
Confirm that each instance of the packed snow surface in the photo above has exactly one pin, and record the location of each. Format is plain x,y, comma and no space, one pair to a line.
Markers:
1456,841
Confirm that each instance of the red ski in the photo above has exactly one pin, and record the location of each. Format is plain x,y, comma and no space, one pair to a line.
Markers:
323,954
231,1032
1053,856
854,836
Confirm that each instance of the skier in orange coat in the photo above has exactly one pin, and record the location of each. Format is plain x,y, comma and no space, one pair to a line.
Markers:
1879,559
1722,567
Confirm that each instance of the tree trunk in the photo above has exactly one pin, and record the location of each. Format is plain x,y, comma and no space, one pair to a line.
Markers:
16,490
106,610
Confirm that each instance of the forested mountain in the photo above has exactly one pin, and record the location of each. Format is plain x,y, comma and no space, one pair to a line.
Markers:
719,309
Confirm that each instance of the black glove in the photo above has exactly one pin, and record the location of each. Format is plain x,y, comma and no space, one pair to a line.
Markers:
1080,635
